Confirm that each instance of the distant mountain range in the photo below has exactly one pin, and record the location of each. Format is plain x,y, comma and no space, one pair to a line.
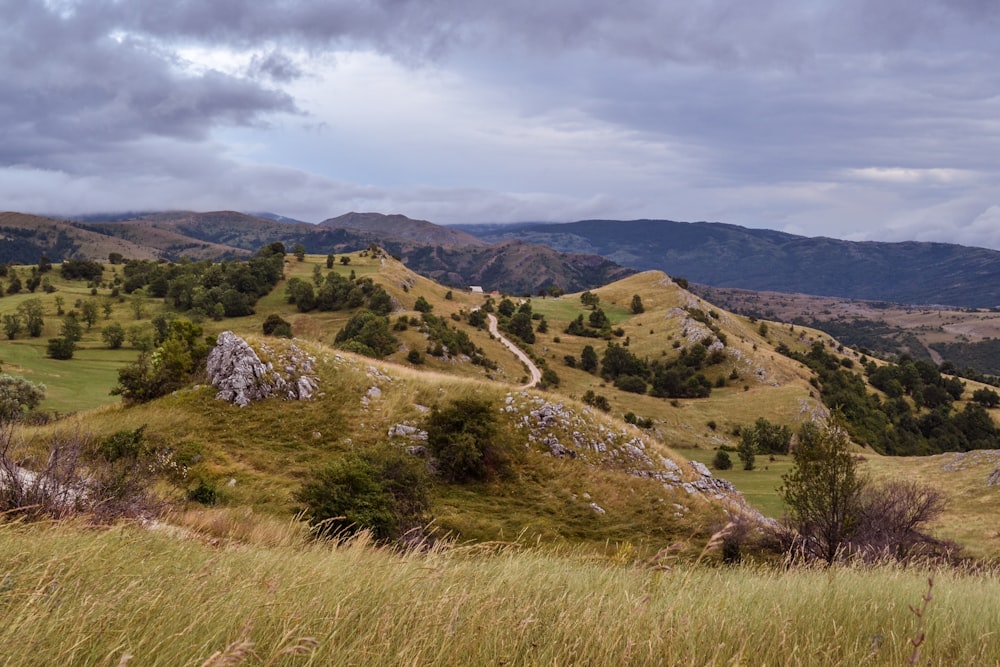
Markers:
723,255
529,257
448,255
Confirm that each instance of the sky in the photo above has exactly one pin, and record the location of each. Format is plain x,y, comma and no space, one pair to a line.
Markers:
842,118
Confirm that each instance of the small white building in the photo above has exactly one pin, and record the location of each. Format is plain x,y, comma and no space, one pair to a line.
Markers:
475,289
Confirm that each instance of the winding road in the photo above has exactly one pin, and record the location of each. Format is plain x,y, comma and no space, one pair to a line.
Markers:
536,375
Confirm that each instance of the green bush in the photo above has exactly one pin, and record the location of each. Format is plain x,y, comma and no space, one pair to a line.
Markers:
275,325
61,348
381,490
467,440
722,461
369,333
113,335
18,396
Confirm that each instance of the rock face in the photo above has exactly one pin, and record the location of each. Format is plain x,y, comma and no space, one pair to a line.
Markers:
241,377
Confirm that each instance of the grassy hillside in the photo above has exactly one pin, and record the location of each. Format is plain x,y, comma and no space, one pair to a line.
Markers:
752,381
599,544
74,596
258,456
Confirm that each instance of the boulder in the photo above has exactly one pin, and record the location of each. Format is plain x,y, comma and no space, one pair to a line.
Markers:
241,377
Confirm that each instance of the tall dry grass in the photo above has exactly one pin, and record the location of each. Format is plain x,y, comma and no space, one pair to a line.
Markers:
73,596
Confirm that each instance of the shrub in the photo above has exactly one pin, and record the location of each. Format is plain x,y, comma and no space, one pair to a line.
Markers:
381,490
106,479
722,461
18,396
986,397
597,400
61,348
165,370
631,383
275,325
368,333
549,378
113,335
467,440
414,357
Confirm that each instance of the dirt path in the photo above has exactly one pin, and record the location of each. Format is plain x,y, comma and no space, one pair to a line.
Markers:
536,375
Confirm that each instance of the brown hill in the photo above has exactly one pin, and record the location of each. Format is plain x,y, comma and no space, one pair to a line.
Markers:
25,237
404,228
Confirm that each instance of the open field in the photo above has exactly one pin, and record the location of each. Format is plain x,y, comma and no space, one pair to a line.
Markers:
128,596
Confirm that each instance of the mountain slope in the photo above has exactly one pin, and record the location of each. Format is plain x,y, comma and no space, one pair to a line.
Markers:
723,255
26,237
449,256
402,227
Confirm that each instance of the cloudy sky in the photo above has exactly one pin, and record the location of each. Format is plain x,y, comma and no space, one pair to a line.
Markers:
846,118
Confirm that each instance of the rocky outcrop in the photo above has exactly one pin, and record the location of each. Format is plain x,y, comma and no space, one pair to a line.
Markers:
568,434
241,376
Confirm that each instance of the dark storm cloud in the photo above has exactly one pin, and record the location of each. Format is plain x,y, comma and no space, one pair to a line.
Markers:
799,113
69,83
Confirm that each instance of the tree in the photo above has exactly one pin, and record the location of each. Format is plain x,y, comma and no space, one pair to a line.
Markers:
32,313
637,306
506,307
770,438
138,303
367,333
823,491
113,335
520,326
300,252
986,397
18,396
89,313
71,328
345,259
81,269
422,305
168,368
588,298
12,325
747,450
14,286
598,319
588,359
329,261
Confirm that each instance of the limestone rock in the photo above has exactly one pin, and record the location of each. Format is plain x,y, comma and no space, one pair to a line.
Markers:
241,377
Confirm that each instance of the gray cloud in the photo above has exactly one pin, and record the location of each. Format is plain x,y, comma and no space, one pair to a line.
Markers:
70,85
847,117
